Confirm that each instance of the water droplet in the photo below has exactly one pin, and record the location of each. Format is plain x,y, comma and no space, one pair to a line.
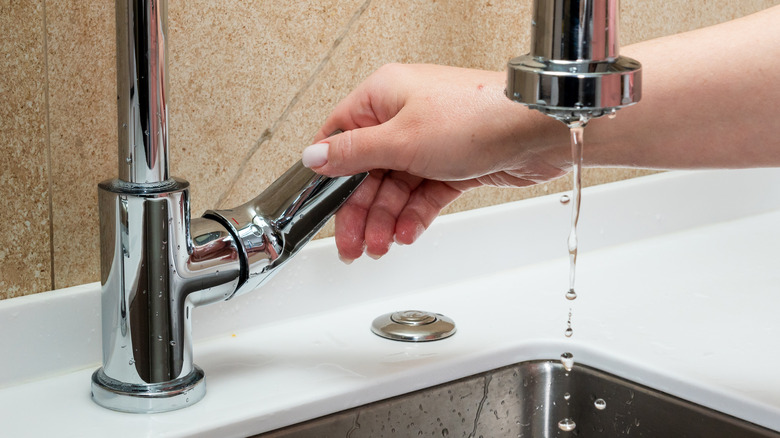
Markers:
445,432
612,114
566,396
132,362
569,332
600,404
567,359
573,69
565,199
161,278
159,338
129,160
571,295
567,425
173,343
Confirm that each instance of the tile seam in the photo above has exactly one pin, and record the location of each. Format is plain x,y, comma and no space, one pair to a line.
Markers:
48,145
269,132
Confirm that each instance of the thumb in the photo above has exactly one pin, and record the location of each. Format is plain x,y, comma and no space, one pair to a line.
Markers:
355,151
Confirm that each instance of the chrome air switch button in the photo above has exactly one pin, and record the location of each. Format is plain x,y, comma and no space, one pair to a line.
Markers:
413,326
413,317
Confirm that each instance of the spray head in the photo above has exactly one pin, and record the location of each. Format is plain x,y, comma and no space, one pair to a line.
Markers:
573,72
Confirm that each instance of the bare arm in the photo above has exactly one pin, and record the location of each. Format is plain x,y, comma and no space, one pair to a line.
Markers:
711,99
429,133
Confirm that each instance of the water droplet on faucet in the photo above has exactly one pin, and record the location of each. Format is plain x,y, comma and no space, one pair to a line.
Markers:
567,425
600,404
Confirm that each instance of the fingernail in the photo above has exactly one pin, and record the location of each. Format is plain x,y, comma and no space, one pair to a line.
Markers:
345,260
373,256
315,155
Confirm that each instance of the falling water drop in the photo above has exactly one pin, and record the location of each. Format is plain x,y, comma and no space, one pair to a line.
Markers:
567,359
571,295
569,331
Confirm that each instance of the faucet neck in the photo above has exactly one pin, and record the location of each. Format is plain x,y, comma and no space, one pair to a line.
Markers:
575,30
142,83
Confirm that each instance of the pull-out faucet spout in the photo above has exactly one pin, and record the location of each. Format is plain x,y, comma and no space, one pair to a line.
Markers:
157,263
574,71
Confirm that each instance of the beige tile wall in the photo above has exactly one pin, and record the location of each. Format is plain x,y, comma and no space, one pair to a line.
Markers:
249,84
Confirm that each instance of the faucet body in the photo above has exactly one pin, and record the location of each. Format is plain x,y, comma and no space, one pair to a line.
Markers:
574,71
158,264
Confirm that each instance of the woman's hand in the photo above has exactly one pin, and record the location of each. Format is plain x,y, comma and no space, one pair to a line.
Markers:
427,134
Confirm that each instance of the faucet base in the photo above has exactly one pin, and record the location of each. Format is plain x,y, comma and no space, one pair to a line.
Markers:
148,398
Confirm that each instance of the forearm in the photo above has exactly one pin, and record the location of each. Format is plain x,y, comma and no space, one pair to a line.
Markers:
711,98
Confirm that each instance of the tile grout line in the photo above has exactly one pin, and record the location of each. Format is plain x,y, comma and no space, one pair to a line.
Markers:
48,144
269,132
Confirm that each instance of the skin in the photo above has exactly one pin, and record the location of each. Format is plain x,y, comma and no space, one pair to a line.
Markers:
427,133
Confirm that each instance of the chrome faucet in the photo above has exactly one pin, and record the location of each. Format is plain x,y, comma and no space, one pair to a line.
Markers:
157,264
573,71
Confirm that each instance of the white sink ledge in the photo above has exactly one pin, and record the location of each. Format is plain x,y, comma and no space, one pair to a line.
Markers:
677,281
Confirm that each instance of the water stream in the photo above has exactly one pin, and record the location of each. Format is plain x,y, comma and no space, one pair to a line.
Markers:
576,130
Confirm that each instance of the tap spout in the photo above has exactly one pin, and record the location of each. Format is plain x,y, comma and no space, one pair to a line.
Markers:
574,71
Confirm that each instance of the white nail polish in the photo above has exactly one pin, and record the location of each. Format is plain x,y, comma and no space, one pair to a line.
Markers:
315,155
345,260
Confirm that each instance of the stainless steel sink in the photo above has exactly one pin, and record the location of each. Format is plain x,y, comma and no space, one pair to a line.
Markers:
529,400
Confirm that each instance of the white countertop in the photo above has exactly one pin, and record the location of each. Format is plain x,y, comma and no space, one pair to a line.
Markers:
677,281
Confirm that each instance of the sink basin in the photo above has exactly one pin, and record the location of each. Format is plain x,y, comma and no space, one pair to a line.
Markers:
529,400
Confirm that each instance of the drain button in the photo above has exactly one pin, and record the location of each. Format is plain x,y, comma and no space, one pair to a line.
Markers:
413,317
413,326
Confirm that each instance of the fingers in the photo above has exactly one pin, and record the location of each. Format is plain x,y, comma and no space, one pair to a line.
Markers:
390,207
391,199
350,222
